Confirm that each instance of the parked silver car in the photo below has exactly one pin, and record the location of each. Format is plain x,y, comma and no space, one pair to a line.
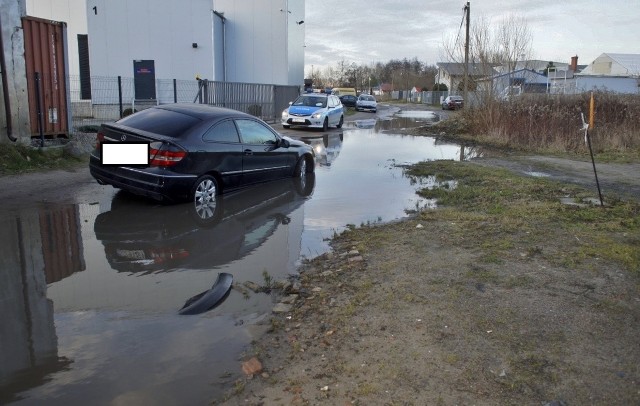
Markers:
366,102
452,103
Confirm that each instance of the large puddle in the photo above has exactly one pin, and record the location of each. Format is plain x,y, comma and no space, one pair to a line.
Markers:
91,292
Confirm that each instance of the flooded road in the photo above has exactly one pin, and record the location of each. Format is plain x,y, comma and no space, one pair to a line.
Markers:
91,292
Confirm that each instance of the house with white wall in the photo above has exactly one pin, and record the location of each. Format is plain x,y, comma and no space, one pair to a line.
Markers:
618,73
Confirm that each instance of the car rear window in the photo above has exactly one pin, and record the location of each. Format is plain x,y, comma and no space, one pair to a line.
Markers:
160,121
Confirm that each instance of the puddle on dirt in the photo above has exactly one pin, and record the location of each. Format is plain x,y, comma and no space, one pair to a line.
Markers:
92,292
537,174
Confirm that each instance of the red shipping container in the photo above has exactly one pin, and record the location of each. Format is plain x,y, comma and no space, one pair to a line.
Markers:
45,53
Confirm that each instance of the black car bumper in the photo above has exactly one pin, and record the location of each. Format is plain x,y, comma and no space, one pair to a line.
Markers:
157,183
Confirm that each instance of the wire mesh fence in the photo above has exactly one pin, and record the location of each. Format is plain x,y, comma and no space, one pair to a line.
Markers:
110,98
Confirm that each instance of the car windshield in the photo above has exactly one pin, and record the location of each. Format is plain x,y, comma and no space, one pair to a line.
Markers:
316,101
456,98
367,98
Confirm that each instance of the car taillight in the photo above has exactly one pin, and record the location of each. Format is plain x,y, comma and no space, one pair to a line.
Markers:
164,155
99,139
167,254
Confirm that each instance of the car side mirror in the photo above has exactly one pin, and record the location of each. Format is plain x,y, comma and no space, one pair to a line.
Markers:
290,103
283,143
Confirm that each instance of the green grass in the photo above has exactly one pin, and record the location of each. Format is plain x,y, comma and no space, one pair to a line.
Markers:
504,210
15,158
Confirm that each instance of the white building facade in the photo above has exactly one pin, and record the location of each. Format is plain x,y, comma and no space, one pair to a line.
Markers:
250,41
618,73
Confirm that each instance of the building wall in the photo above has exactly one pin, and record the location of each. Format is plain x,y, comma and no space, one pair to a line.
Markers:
611,84
264,42
121,31
13,46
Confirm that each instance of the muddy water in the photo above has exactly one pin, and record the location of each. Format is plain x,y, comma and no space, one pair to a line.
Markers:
90,293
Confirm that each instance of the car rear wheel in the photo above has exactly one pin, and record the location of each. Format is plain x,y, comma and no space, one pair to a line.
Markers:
285,126
205,190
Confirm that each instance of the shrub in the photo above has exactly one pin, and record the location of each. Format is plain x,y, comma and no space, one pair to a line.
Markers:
553,122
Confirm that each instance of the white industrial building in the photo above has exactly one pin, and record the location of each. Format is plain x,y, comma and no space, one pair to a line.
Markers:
249,41
152,44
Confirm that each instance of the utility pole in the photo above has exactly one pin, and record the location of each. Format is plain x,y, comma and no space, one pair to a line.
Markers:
467,10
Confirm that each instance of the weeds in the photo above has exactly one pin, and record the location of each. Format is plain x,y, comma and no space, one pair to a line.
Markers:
553,123
15,158
489,206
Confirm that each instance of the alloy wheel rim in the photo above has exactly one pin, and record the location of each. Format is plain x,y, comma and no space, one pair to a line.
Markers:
205,199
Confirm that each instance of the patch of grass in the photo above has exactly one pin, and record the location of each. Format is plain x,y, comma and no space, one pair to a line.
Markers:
16,158
366,389
497,211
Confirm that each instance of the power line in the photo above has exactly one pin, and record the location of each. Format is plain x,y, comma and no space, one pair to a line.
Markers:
464,14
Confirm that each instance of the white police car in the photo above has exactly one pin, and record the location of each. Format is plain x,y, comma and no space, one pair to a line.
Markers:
315,110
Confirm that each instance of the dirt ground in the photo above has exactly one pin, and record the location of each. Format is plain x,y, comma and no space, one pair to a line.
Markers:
409,314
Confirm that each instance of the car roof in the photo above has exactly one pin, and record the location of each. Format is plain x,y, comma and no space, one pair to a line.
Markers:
202,111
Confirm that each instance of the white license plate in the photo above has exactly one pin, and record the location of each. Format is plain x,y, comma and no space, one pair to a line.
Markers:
131,254
298,120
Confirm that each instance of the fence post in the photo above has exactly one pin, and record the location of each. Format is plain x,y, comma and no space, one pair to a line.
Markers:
120,95
175,91
206,91
39,109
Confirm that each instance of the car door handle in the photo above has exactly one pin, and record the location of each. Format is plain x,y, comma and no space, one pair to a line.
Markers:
248,152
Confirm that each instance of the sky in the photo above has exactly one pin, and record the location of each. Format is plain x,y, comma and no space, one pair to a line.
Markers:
369,31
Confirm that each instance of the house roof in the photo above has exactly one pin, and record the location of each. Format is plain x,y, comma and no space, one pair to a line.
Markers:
386,87
475,69
614,65
519,72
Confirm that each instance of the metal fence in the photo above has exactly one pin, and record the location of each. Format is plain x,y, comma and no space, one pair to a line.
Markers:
433,97
114,97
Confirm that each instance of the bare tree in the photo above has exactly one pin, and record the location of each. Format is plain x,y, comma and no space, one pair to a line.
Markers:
490,45
514,40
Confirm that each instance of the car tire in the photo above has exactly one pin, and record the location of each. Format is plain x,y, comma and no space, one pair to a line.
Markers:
304,186
325,124
340,122
285,126
204,190
301,168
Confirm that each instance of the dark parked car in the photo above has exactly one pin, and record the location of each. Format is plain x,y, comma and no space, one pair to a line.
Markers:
452,103
348,100
197,152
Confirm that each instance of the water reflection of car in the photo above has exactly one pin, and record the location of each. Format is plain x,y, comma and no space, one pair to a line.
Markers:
196,151
366,102
348,100
138,237
452,103
314,110
326,148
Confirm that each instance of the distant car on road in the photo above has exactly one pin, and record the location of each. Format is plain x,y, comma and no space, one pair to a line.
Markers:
452,103
196,152
348,100
366,102
314,110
